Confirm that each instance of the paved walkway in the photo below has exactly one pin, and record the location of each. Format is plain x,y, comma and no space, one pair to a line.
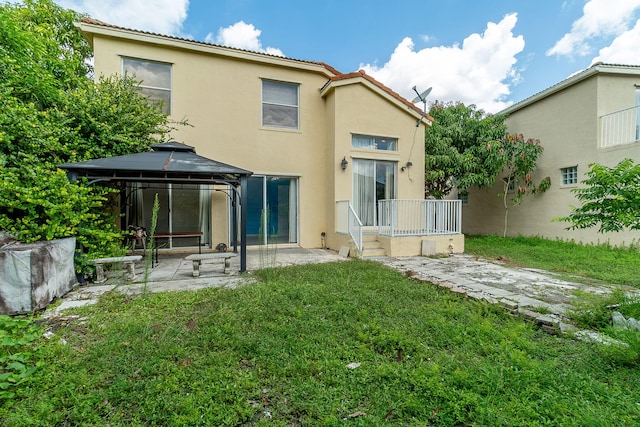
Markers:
533,293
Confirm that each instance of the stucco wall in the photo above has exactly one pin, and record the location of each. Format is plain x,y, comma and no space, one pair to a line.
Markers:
220,96
567,125
412,245
354,109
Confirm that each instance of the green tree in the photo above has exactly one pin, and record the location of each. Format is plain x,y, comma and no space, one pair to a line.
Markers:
465,147
52,112
519,159
611,200
456,149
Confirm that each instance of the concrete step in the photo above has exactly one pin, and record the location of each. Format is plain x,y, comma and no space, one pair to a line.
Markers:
369,237
373,252
371,247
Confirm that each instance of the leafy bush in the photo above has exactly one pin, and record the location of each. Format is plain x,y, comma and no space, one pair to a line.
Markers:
52,112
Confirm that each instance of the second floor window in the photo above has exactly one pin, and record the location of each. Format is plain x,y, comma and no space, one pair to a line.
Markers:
280,104
155,80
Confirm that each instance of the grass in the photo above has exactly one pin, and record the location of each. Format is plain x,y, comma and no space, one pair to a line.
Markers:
599,262
276,353
583,263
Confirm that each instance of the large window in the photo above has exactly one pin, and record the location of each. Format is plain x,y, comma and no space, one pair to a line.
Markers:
569,175
155,80
280,104
373,180
272,210
374,143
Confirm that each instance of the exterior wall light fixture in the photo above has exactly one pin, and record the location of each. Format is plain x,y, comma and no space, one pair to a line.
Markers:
344,163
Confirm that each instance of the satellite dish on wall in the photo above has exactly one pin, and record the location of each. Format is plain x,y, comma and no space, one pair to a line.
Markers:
421,96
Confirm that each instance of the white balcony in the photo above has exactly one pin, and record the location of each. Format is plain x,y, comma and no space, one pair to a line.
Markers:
620,127
419,217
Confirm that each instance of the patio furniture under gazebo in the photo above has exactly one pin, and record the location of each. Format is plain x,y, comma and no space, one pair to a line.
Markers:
171,163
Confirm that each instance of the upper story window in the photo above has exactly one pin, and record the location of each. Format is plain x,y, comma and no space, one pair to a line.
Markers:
280,104
374,143
155,80
569,175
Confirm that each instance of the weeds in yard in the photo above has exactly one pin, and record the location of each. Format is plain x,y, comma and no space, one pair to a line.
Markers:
17,334
331,344
595,262
149,258
268,247
594,312
583,263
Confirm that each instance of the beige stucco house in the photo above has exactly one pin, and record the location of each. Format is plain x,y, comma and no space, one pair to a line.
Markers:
591,117
325,148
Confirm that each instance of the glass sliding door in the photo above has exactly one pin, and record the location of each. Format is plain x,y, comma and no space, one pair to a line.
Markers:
373,180
183,208
272,210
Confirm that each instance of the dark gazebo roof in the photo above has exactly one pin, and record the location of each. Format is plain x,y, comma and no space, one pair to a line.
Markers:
168,162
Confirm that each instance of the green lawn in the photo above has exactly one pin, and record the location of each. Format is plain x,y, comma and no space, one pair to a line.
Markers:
601,262
276,353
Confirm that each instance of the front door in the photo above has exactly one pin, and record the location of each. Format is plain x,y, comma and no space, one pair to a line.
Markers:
373,180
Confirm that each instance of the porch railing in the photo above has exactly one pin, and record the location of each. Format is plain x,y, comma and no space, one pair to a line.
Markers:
620,127
348,222
419,217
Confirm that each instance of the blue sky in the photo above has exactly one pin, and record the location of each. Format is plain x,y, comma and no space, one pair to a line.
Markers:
490,53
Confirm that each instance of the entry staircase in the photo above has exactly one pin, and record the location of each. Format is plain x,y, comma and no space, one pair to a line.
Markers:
371,246
397,218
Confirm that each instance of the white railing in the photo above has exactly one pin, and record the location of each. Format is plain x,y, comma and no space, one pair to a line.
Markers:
348,222
419,217
620,127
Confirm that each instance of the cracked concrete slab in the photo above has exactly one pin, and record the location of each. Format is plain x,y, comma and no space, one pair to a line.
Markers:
534,293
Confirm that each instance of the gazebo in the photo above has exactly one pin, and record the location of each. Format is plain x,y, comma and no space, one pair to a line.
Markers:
171,163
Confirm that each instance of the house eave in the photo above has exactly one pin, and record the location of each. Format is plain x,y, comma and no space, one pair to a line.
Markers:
89,30
338,82
598,68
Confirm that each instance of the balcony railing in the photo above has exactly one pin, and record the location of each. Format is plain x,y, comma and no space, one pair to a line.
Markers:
419,217
620,127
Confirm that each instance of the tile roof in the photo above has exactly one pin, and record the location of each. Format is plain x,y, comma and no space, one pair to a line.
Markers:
337,75
97,22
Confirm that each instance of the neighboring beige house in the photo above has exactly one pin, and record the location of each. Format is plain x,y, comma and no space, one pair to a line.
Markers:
591,117
325,148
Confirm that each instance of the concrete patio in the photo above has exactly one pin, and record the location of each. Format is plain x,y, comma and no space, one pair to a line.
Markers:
533,293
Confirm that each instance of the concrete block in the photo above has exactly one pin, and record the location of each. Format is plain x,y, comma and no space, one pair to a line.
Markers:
428,248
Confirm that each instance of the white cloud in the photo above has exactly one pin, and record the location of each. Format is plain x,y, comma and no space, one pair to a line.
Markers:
623,50
157,16
479,72
242,36
601,18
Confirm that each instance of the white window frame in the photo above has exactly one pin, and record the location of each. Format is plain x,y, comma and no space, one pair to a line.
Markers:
569,175
166,107
296,105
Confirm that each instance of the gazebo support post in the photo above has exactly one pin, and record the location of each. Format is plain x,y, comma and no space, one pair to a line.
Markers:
123,206
234,204
243,223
